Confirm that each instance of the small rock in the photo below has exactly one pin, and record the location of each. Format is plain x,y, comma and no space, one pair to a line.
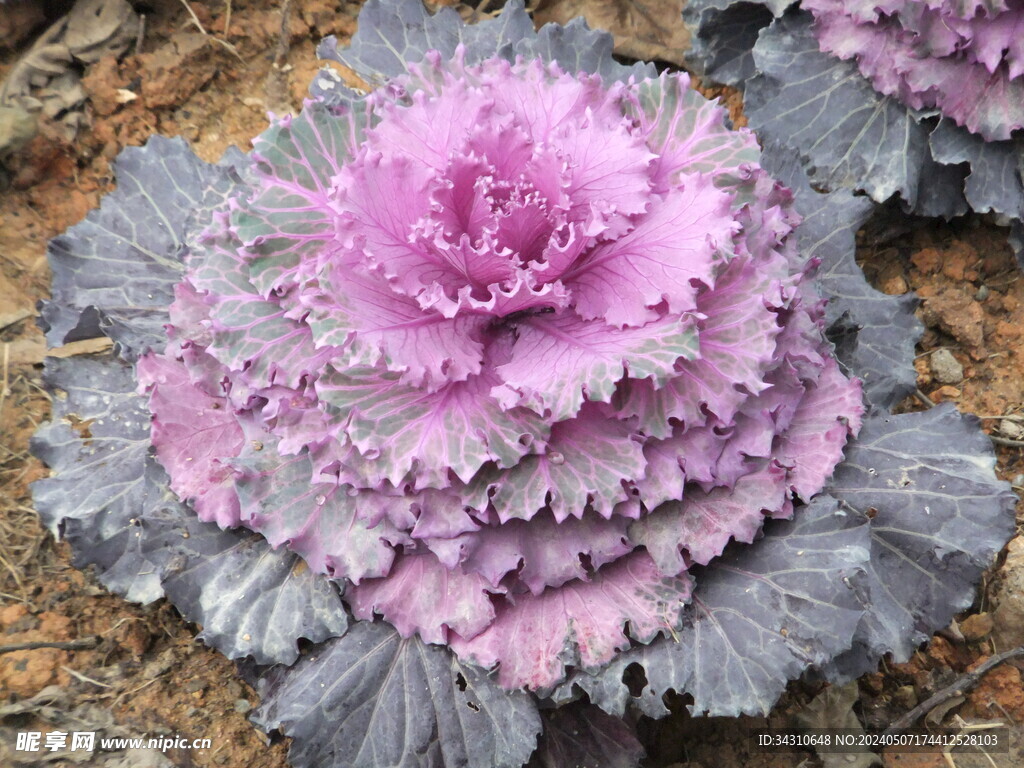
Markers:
192,686
242,706
905,696
945,368
12,613
894,285
1008,598
982,293
927,260
977,627
954,311
944,394
1011,429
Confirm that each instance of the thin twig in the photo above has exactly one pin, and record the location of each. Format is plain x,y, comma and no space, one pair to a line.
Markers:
275,88
199,25
923,398
195,19
284,37
3,384
13,571
958,688
70,645
21,599
139,688
1006,441
140,37
84,679
227,18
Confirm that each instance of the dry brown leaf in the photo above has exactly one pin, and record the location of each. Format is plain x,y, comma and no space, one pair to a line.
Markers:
33,349
830,710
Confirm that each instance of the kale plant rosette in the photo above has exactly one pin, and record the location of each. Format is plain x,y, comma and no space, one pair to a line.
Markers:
491,412
923,99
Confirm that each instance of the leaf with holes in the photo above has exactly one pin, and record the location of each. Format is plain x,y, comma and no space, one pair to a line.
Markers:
372,698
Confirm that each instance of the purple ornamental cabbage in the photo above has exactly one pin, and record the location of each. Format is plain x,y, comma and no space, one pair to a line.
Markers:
495,384
919,98
965,59
524,338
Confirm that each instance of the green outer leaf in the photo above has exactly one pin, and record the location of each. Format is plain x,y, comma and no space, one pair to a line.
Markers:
586,462
332,530
689,133
458,428
290,218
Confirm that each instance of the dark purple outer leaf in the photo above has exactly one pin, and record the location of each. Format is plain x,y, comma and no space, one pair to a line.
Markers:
125,257
822,105
581,735
393,35
112,541
723,48
761,614
882,330
708,8
995,182
940,190
101,483
848,134
391,38
577,48
111,499
250,599
372,699
329,89
940,517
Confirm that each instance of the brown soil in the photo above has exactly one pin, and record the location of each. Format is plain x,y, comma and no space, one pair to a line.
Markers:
146,668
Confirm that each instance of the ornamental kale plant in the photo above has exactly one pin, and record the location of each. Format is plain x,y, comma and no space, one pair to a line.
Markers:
964,59
497,382
492,354
920,98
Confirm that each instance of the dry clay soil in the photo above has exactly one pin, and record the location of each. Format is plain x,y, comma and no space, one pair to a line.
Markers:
147,675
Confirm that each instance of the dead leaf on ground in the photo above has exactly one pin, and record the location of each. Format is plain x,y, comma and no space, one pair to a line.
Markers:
33,349
646,30
832,710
